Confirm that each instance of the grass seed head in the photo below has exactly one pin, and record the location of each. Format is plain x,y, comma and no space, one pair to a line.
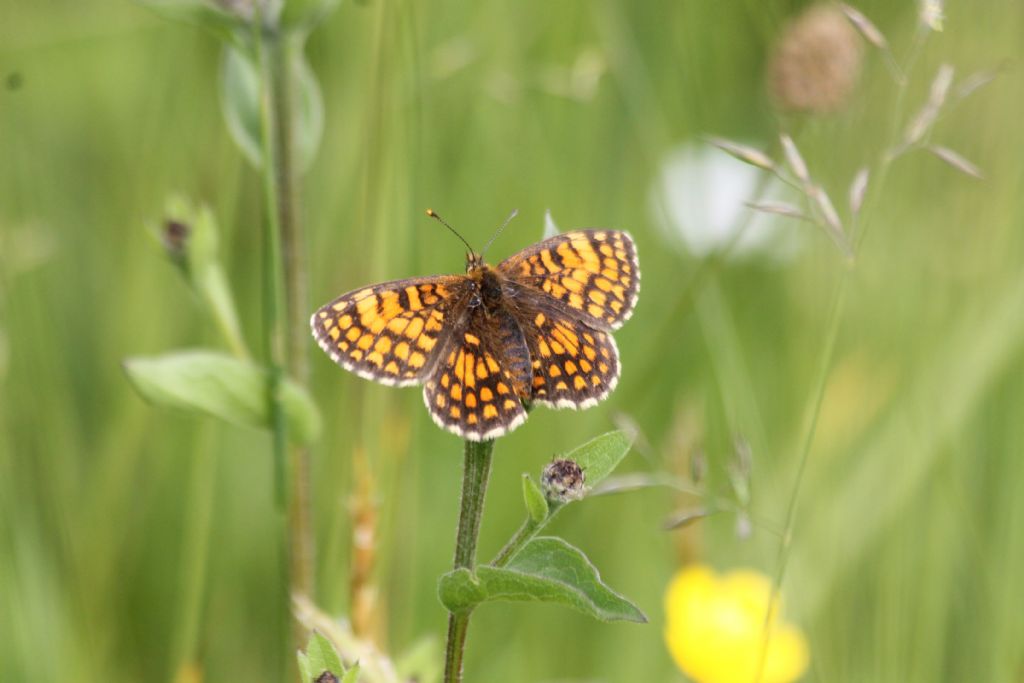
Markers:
816,62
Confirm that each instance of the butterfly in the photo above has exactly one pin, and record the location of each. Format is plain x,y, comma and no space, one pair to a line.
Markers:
536,328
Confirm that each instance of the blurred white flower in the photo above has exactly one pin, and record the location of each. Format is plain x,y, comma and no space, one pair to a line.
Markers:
699,201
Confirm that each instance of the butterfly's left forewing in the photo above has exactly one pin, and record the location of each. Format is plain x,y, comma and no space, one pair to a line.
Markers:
393,332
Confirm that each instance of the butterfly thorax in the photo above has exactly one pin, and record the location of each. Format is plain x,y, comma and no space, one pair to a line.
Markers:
488,286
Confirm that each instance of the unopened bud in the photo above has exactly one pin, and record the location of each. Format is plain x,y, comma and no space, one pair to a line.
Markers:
174,237
563,481
326,677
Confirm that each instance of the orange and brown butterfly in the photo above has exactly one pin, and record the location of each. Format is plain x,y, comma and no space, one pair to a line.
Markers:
536,328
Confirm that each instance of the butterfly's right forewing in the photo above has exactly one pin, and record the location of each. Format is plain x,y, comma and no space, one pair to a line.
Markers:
393,332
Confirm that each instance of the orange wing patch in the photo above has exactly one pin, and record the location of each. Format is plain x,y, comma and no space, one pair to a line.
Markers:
574,365
593,271
472,393
389,333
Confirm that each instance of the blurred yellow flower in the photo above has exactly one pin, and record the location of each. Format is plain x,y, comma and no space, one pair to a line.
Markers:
715,628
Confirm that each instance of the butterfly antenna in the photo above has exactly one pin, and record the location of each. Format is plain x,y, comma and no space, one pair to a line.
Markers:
432,214
515,212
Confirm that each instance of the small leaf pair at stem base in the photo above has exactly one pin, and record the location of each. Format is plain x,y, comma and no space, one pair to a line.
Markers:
547,569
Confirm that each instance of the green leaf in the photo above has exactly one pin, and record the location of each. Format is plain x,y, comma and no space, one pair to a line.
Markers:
601,455
216,384
536,503
304,15
309,117
319,658
460,591
240,101
304,671
322,655
547,569
202,13
241,90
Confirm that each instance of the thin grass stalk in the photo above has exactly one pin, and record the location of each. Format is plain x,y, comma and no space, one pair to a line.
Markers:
195,553
828,349
476,470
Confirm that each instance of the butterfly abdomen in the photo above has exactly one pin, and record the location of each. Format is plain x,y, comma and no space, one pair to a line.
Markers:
512,341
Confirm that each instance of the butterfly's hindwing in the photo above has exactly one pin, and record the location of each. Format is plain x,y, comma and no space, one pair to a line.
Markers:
575,365
595,272
392,332
473,390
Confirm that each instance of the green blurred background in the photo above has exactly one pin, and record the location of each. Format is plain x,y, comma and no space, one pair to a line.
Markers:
135,541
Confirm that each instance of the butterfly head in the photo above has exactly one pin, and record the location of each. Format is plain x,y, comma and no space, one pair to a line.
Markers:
474,262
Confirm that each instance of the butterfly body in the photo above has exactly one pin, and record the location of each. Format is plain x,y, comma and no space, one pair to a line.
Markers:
533,329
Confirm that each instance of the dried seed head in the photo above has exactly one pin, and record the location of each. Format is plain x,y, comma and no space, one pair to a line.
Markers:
931,14
828,211
744,153
779,209
563,481
794,160
957,161
930,111
975,81
858,189
816,62
833,226
864,26
686,517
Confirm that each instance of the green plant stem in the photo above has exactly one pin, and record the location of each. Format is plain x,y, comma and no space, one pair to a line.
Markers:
272,313
295,278
284,293
476,470
524,535
526,532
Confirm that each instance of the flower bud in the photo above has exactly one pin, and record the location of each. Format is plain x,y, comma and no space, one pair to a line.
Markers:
174,236
326,677
563,481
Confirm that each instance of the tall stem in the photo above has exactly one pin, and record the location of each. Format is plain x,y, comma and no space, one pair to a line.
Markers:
295,276
284,300
475,471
